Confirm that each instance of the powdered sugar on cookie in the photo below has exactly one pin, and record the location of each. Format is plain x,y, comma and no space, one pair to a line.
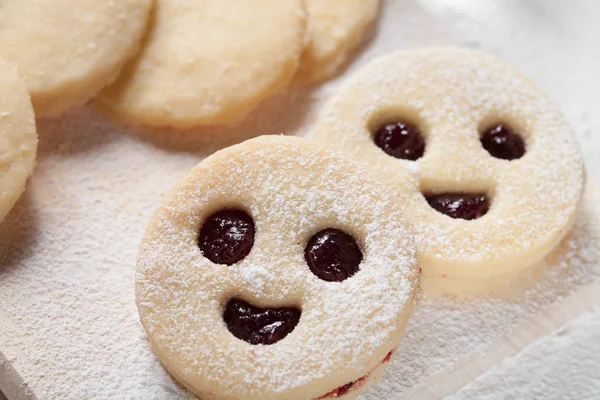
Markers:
292,188
453,95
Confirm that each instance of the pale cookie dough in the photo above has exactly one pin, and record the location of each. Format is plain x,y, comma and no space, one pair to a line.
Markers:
68,50
209,62
18,137
452,96
336,29
290,190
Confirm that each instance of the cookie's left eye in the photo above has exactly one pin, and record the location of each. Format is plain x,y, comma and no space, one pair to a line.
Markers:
400,140
333,255
227,236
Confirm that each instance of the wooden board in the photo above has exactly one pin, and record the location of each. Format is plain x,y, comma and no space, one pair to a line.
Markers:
68,321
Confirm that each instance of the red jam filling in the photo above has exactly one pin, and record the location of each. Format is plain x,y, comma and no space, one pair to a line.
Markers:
344,390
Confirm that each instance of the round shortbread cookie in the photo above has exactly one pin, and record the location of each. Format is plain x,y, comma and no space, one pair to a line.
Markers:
336,29
327,330
461,132
18,137
68,50
209,62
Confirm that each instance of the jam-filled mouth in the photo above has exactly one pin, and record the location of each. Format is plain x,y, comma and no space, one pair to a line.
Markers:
460,205
256,325
354,385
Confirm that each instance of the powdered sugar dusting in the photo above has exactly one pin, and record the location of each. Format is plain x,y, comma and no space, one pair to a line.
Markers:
292,188
67,278
435,340
453,94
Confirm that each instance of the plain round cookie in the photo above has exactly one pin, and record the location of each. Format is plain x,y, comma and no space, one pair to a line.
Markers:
336,29
292,188
451,96
18,137
209,62
68,50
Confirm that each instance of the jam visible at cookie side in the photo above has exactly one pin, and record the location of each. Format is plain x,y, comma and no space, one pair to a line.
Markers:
501,142
333,255
345,389
227,236
388,357
400,140
257,325
339,392
460,206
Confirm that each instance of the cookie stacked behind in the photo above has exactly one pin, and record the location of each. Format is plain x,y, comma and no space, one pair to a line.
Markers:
211,62
68,50
277,269
486,166
208,62
335,30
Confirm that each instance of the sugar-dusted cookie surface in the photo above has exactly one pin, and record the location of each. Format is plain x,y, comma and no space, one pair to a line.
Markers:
336,29
68,50
209,62
486,166
277,269
18,137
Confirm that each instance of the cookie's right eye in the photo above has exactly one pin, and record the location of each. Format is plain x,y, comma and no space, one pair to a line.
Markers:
503,142
227,236
400,140
333,255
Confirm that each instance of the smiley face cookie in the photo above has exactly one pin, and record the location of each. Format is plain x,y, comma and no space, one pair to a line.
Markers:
336,29
67,50
487,167
277,269
209,62
18,137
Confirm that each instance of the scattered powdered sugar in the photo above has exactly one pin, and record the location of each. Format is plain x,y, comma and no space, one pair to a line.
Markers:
567,358
68,256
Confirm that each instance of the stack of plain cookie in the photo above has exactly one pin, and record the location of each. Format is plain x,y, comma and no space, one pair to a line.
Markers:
162,63
177,63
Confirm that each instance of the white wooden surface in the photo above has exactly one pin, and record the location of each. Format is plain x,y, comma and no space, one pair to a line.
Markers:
67,251
562,365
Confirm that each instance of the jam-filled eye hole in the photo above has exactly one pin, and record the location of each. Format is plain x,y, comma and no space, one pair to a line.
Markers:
400,140
333,255
502,142
257,325
460,205
227,236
